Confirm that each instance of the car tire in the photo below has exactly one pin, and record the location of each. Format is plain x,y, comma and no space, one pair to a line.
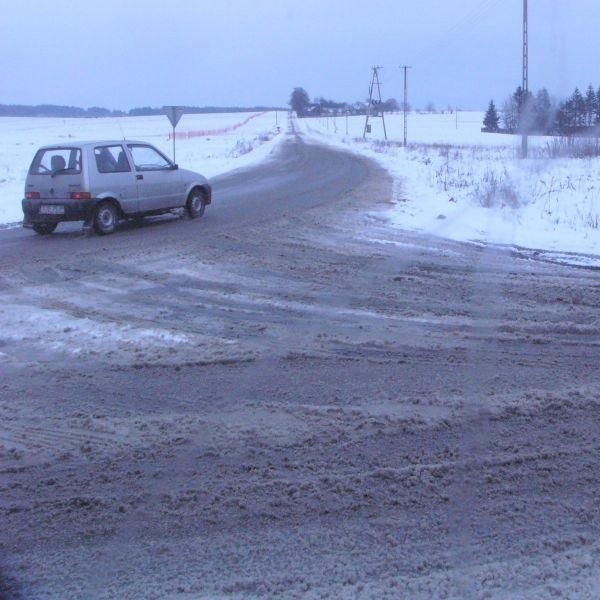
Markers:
195,204
44,228
106,218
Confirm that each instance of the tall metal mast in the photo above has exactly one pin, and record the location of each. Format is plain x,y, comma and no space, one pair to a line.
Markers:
525,86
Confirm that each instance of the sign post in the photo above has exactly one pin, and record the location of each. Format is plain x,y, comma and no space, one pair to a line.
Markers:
174,113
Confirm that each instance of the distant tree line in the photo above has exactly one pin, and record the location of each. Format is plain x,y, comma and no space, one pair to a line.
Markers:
203,110
540,114
52,110
300,103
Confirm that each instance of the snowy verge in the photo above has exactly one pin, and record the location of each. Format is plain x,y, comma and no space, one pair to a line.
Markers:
458,183
231,141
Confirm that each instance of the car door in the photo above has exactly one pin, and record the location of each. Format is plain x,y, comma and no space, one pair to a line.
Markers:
111,174
159,181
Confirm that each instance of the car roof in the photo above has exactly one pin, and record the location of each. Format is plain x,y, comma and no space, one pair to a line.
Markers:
85,144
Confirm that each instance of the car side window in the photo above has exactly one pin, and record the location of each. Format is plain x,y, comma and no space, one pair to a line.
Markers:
111,159
147,158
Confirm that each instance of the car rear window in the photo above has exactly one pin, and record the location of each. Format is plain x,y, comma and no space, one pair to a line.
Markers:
56,160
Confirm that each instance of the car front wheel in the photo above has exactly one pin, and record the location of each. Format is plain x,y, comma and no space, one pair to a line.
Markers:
106,218
195,204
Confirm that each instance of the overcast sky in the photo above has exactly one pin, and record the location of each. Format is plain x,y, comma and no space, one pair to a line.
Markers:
128,53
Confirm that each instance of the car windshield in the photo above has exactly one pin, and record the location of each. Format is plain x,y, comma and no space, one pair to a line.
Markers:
56,160
146,158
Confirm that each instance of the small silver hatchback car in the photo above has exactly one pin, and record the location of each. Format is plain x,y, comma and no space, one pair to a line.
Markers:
100,183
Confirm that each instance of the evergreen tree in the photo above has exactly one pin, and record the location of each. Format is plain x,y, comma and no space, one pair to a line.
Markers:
562,118
570,113
518,97
578,108
590,106
543,111
510,114
491,119
523,112
524,105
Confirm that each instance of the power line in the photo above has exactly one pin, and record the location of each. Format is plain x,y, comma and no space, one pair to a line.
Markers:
456,31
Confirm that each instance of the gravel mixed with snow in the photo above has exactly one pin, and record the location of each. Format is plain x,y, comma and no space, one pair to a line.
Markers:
309,404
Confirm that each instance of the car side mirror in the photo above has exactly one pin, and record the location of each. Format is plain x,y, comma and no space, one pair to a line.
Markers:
174,166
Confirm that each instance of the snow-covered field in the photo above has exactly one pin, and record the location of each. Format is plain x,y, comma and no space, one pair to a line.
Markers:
227,141
455,181
452,180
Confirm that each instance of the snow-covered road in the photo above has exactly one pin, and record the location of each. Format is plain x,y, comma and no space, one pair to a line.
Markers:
291,398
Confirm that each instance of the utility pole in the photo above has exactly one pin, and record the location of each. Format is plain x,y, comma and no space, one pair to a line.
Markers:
377,102
405,105
525,86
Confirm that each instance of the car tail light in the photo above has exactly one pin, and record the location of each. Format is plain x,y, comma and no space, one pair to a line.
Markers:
32,195
81,196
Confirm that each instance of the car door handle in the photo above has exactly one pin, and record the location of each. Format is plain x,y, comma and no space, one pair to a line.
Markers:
139,177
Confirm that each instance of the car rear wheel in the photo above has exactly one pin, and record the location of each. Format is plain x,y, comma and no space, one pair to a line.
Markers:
106,218
44,228
195,204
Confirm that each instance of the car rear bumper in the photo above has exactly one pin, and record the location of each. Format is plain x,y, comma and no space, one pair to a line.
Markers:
55,211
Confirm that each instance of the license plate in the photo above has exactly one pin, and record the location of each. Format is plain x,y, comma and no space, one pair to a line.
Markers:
52,209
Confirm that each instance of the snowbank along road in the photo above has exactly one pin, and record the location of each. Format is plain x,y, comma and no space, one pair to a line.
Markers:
288,398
